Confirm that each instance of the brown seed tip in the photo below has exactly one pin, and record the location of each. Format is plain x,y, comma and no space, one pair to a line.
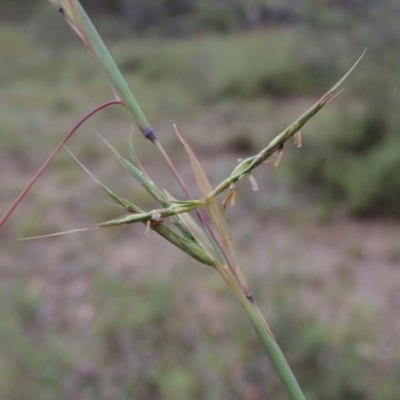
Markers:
231,196
279,154
253,183
147,232
297,139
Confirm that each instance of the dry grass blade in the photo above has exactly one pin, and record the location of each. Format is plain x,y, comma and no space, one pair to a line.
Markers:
213,210
202,181
216,215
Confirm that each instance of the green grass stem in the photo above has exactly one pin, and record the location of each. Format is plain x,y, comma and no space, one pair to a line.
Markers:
77,17
273,351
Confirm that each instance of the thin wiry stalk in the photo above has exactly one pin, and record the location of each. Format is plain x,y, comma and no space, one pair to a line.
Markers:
50,158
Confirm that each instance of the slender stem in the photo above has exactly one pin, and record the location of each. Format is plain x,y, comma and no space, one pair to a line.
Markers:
50,158
272,349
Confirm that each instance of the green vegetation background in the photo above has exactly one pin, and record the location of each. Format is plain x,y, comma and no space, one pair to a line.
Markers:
116,315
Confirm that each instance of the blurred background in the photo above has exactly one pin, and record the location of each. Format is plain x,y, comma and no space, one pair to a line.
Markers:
115,314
